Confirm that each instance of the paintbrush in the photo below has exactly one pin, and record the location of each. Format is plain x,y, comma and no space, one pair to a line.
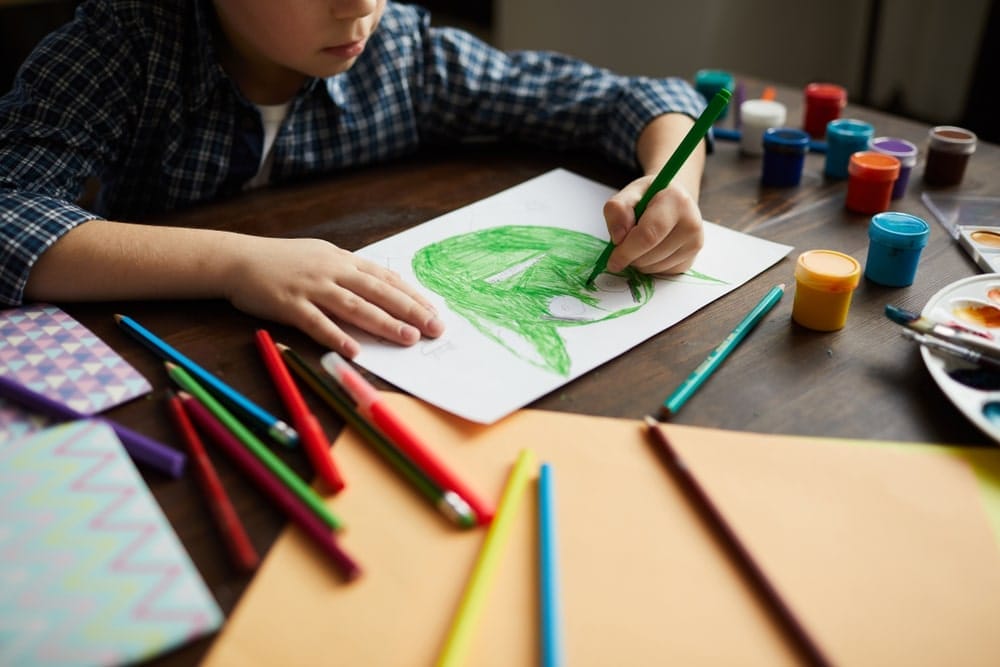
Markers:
946,332
955,350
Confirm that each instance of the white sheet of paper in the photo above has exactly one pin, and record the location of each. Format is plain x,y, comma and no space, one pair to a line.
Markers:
518,320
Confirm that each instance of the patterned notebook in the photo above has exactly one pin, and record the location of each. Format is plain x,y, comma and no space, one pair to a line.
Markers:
91,572
45,349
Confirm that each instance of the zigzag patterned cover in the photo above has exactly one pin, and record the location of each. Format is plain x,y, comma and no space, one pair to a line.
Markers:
91,572
42,347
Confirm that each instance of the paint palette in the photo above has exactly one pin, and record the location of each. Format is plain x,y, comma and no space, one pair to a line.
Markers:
983,245
972,303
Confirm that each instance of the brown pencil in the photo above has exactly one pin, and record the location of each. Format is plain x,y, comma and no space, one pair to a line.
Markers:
710,514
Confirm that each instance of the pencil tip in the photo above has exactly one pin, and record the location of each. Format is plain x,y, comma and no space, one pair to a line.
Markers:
650,422
118,317
281,346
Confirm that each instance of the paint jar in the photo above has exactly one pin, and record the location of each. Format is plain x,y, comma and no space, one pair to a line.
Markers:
871,177
784,154
895,241
824,284
824,102
710,81
756,116
948,151
902,150
844,137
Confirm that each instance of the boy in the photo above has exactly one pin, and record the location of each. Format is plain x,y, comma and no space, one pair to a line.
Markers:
175,102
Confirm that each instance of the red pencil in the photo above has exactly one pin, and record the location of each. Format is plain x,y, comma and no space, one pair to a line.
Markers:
237,541
312,526
315,442
370,404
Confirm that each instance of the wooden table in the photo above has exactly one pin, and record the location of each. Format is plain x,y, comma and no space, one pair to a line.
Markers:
864,381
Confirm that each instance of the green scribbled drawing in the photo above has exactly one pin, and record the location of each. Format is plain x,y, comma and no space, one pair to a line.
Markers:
518,284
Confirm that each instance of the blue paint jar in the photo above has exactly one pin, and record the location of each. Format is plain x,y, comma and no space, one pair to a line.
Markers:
844,137
784,154
710,81
895,243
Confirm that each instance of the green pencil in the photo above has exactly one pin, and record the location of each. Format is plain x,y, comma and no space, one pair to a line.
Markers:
449,503
259,449
680,395
670,169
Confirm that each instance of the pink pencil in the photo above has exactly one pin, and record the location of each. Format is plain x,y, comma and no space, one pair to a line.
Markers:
278,492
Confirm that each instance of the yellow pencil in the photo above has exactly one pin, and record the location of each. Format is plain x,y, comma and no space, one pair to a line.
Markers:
460,635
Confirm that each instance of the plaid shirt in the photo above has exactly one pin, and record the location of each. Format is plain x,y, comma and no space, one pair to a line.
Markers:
131,92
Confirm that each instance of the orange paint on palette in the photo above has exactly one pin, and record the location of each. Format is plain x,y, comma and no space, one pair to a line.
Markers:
993,294
983,315
986,238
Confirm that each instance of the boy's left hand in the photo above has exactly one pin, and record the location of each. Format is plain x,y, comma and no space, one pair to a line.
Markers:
666,239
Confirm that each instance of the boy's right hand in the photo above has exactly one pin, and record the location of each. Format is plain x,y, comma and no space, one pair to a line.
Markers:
311,283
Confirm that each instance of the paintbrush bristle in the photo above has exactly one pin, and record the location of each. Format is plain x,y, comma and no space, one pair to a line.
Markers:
900,315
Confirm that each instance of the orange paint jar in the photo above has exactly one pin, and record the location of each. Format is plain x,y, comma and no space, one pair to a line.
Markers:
871,176
824,284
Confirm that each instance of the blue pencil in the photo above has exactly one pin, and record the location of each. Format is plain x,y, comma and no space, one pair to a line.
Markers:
552,643
274,427
680,395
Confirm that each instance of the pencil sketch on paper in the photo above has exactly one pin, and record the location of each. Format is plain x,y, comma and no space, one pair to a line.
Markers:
518,285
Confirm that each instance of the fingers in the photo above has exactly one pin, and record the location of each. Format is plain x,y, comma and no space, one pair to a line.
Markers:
667,238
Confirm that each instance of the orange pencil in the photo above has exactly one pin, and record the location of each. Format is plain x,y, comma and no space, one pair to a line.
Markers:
237,541
310,431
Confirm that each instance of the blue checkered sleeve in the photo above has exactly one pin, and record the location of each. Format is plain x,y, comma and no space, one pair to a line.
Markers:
541,97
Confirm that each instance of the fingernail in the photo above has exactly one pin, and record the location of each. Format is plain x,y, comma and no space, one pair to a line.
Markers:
350,349
409,334
434,326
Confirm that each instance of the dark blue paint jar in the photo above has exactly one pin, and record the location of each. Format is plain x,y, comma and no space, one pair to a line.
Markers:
895,243
784,154
844,137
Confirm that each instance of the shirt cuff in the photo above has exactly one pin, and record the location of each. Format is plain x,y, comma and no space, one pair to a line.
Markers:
29,225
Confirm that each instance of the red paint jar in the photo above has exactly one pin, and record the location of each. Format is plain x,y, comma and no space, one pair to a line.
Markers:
870,177
824,102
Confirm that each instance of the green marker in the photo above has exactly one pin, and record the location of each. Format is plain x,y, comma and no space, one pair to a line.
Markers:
684,149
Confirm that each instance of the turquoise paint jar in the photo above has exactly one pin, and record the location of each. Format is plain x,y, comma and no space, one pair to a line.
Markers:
710,81
895,243
844,137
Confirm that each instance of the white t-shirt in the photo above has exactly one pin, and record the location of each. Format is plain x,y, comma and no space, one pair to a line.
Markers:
271,116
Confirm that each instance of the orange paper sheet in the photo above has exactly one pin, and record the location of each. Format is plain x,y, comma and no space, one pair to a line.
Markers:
885,553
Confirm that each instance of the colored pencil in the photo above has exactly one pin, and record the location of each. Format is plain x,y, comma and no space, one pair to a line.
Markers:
698,376
267,423
680,155
288,502
241,549
258,448
460,635
371,405
448,503
548,570
311,434
141,448
730,541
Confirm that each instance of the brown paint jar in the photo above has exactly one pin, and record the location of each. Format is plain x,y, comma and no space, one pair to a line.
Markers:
948,151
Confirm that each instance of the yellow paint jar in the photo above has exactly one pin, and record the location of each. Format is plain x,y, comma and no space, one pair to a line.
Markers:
824,283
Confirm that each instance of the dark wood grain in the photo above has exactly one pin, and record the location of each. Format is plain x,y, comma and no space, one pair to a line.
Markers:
861,382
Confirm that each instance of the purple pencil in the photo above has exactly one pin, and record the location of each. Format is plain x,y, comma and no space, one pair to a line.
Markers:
140,447
262,477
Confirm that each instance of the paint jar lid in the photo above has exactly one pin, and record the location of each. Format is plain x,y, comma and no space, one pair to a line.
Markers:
786,140
901,149
872,166
951,139
899,230
848,129
766,113
826,94
828,270
713,79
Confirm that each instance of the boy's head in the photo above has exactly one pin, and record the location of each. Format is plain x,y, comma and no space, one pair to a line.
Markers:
271,47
